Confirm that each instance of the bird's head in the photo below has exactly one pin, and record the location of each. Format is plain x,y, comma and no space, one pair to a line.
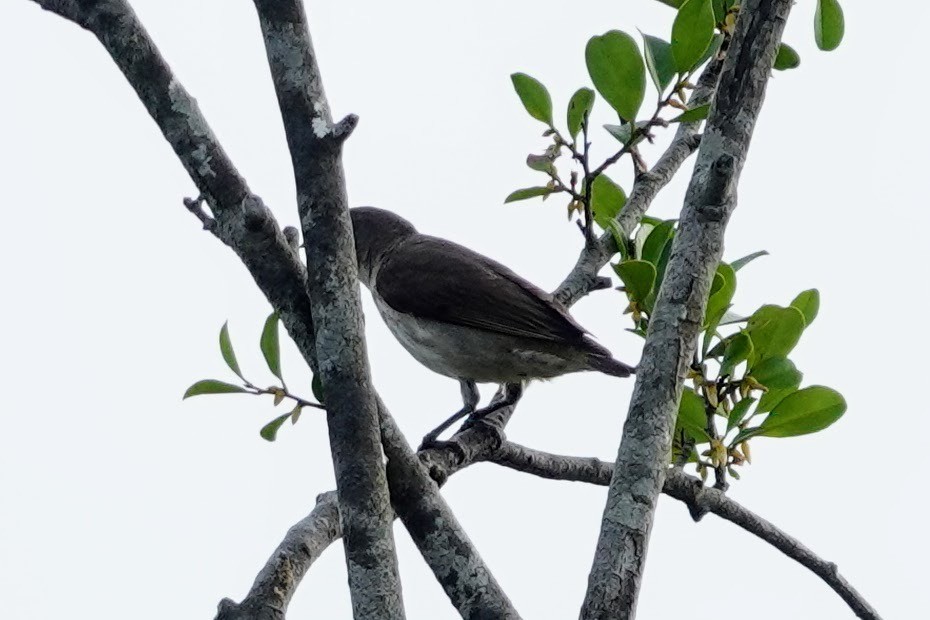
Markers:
377,232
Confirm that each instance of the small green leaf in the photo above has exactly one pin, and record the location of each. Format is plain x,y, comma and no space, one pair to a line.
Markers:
786,58
269,432
659,61
806,411
691,415
607,198
745,434
828,24
638,277
540,163
655,242
624,132
774,331
739,412
739,263
579,107
738,350
718,303
617,70
269,345
620,240
808,303
316,386
692,33
527,193
729,318
226,349
661,266
694,114
534,96
212,386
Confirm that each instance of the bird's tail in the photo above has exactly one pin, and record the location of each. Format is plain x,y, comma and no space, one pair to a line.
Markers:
603,362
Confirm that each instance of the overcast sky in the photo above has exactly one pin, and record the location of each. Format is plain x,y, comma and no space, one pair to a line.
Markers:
117,498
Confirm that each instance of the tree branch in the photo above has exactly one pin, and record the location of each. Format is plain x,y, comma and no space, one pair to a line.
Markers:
315,145
472,589
583,277
642,458
699,499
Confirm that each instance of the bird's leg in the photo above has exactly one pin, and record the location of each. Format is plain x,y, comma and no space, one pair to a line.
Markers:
470,397
512,394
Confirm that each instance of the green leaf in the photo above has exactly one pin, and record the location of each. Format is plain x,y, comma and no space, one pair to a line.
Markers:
212,386
739,412
659,61
777,373
808,303
661,266
269,432
806,411
620,239
738,350
226,349
828,25
694,114
739,263
691,415
655,242
607,198
526,193
579,107
712,49
780,376
729,318
745,434
624,132
718,303
786,58
617,70
269,345
692,33
774,331
316,386
534,96
638,277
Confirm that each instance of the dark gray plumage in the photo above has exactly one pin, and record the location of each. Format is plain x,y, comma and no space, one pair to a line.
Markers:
466,316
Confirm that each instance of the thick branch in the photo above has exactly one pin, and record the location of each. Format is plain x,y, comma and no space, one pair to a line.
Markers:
699,499
351,405
642,459
438,535
583,277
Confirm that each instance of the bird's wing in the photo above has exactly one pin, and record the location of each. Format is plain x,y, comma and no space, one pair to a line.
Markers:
436,279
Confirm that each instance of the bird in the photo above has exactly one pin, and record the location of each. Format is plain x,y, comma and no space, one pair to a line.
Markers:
468,317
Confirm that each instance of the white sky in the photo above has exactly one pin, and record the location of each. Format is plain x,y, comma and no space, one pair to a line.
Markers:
116,497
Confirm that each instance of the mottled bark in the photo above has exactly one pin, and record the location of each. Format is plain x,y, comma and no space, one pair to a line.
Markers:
315,144
442,541
642,459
